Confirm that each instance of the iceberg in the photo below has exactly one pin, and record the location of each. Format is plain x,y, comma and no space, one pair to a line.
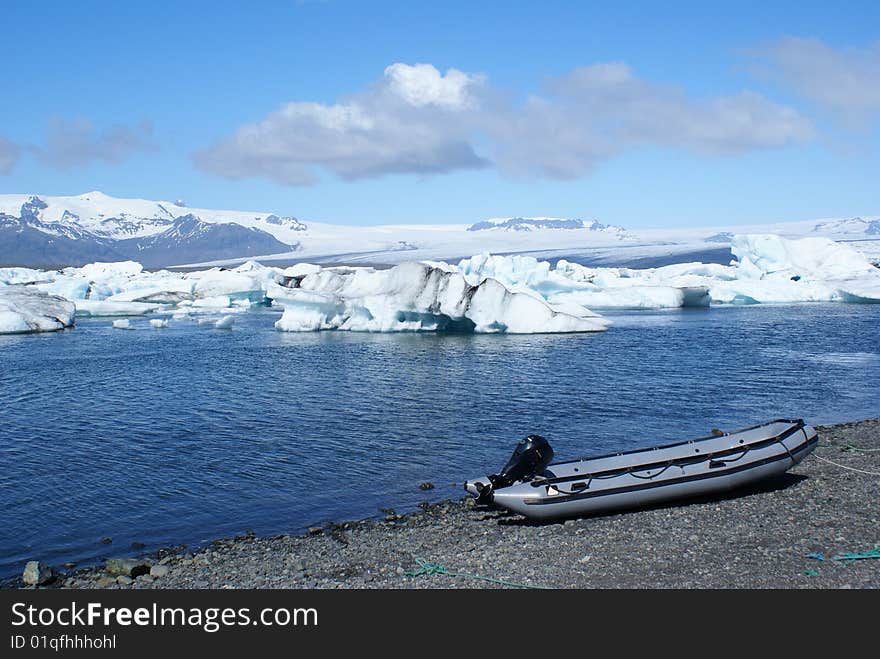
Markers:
103,271
110,308
158,323
606,288
814,258
484,293
420,297
9,276
217,283
225,323
767,269
124,323
25,309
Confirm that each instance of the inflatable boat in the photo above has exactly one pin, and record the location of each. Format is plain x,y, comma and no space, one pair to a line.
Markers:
530,485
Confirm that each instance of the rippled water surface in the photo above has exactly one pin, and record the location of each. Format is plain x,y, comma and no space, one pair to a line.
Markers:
186,434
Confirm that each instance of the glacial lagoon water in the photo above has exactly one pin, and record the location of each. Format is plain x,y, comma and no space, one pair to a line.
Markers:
186,434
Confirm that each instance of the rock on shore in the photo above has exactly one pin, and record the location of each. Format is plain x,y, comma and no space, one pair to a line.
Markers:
758,538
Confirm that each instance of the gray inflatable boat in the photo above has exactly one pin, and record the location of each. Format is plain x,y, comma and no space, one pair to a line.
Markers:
528,484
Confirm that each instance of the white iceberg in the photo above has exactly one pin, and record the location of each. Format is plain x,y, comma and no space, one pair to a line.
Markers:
214,302
249,285
109,308
25,309
484,293
225,323
9,276
159,323
767,269
420,297
123,323
104,271
570,283
763,255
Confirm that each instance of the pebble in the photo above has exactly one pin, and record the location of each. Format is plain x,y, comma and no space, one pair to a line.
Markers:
129,567
159,571
37,574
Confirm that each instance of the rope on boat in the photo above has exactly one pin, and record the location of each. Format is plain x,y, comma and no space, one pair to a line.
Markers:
427,568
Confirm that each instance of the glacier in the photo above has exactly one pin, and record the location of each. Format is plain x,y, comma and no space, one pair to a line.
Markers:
484,293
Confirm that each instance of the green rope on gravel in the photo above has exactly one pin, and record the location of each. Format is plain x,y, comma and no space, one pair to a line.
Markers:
850,447
428,568
873,553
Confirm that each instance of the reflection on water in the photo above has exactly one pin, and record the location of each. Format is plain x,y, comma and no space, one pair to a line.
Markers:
188,433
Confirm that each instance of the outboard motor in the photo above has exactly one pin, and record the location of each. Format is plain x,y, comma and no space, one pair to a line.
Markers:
530,458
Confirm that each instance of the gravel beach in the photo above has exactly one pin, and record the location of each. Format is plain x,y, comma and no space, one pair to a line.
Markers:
769,537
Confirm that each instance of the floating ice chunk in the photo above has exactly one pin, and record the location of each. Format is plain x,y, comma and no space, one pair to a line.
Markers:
637,297
107,308
589,287
9,276
420,297
517,272
24,309
70,288
102,271
300,270
236,285
162,288
159,323
769,269
215,302
225,323
860,291
808,258
122,323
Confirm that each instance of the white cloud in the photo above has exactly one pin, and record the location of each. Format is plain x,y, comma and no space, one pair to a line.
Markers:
73,143
9,152
596,112
417,120
628,109
422,85
845,81
413,121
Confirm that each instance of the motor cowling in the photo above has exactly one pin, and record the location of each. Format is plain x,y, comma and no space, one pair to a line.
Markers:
530,458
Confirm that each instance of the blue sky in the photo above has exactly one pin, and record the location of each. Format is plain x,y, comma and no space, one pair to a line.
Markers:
653,114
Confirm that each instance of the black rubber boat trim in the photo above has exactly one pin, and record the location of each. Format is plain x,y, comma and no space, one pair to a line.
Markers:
563,498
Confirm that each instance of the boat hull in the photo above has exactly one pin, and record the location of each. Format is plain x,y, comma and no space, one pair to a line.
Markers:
695,468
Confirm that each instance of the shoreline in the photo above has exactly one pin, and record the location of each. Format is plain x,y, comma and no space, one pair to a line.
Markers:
768,536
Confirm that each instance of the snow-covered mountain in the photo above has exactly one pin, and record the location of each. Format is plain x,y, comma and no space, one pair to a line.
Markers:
855,226
538,223
46,231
